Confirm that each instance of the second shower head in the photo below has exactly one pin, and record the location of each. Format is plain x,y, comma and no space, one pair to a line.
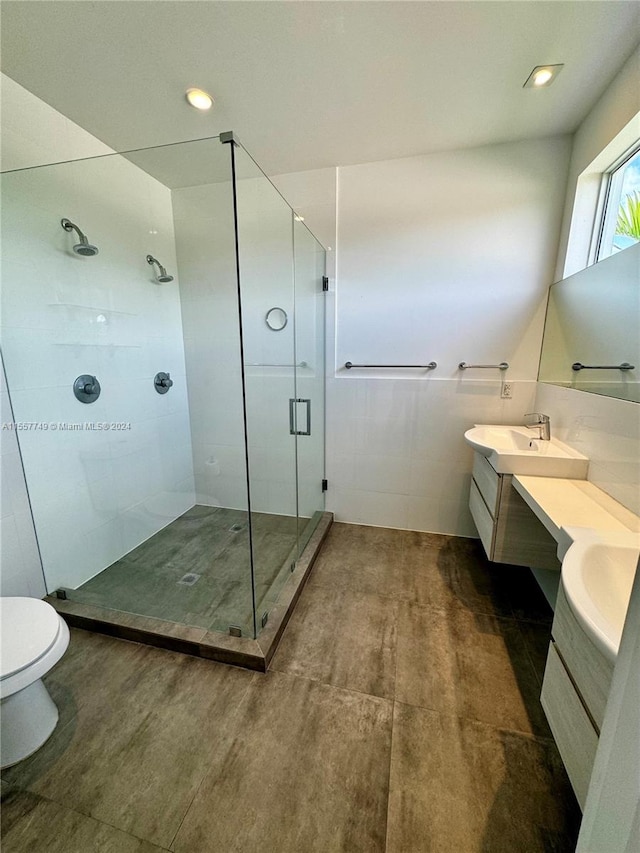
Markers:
84,247
162,276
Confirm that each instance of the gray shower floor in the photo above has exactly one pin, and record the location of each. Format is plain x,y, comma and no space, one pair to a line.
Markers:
211,542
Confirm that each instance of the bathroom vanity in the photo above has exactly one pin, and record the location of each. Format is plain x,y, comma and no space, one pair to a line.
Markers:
509,531
574,695
598,543
533,506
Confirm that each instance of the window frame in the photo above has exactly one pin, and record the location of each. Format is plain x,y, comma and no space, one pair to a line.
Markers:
606,218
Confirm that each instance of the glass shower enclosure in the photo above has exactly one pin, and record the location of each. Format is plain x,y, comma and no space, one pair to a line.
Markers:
163,340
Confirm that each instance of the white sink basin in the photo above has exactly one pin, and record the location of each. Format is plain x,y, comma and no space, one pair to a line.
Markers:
597,576
517,450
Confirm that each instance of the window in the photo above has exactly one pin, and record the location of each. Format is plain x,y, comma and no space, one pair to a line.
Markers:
620,223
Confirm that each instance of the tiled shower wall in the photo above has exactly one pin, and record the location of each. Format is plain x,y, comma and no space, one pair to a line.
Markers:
208,287
95,494
19,556
205,246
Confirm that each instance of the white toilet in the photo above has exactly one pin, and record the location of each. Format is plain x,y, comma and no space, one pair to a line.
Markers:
34,638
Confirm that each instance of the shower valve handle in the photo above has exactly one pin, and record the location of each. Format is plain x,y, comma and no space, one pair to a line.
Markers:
162,382
86,388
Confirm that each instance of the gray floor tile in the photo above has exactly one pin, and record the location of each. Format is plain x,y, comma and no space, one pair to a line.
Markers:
348,640
453,573
461,786
212,543
363,559
425,568
308,771
152,743
98,670
468,664
137,763
528,602
32,824
537,637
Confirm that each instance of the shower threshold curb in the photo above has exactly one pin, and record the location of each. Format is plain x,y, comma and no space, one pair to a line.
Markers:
201,642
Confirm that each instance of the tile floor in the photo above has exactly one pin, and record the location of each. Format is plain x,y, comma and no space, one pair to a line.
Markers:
213,543
400,714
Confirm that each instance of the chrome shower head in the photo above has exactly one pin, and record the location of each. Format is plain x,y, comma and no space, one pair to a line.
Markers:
84,247
162,276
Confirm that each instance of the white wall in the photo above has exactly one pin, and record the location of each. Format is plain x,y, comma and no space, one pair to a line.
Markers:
21,569
608,432
604,429
615,115
95,494
444,257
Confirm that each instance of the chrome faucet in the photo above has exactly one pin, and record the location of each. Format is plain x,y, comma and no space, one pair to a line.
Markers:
542,423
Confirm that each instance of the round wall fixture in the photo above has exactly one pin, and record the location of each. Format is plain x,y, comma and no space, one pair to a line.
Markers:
276,319
86,388
162,382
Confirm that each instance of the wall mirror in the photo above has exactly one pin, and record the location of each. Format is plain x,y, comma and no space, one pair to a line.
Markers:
592,330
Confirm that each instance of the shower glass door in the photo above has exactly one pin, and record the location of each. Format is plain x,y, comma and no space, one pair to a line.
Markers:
166,373
309,270
265,253
138,492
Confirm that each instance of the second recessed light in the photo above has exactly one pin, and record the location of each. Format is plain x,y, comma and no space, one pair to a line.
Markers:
542,75
199,99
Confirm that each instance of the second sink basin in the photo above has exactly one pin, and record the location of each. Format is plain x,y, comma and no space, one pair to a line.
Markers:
597,577
517,450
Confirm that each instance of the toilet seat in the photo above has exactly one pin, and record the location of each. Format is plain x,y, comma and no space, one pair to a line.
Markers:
34,638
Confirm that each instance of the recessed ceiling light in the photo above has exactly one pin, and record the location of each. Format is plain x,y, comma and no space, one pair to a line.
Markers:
298,218
199,99
542,75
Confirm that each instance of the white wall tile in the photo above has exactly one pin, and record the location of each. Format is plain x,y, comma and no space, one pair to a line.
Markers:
604,429
62,316
374,508
20,565
421,456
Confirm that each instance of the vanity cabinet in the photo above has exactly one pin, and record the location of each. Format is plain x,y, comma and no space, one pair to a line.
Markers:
508,529
575,689
573,730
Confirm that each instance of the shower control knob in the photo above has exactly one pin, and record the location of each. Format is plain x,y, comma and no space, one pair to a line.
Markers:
162,382
86,388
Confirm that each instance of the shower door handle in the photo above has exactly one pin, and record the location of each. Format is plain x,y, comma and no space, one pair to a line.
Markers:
294,403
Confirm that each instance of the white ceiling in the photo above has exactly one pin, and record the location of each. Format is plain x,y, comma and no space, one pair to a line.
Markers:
311,84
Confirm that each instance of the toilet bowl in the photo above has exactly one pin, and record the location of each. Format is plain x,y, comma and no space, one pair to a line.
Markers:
34,638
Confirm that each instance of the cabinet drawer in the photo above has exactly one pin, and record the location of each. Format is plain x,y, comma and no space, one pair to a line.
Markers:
482,518
487,481
573,732
590,670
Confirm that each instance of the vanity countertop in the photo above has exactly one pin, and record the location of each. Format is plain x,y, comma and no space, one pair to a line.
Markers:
560,503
